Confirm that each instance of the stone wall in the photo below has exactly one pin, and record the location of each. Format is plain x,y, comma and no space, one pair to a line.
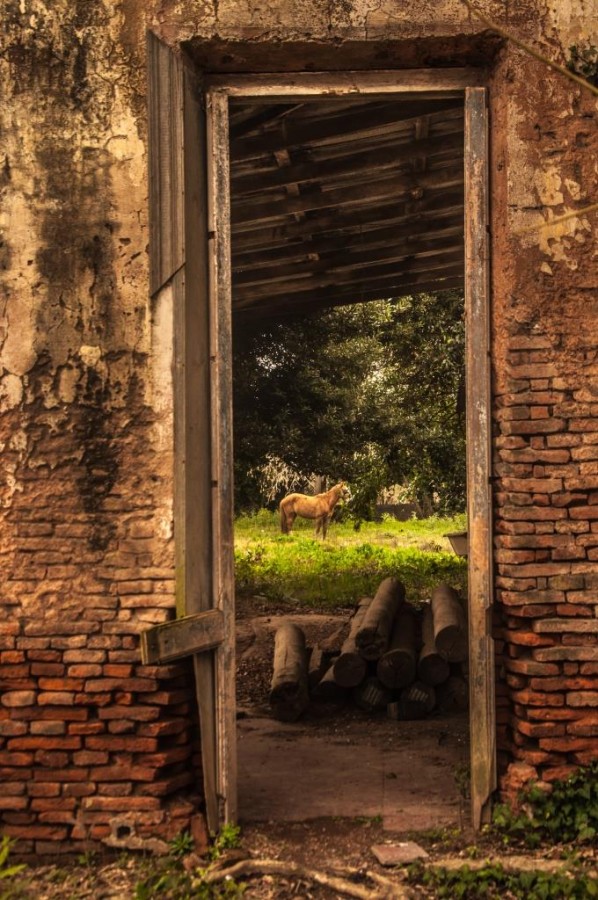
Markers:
95,747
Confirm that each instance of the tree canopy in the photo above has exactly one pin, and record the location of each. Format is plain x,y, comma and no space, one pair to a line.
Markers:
369,393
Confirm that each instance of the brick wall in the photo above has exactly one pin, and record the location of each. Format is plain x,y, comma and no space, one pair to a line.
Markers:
95,748
546,542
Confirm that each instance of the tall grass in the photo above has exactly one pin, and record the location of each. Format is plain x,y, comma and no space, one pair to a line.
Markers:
349,564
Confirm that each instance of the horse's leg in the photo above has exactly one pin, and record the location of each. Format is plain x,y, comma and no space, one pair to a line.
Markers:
325,520
287,517
318,525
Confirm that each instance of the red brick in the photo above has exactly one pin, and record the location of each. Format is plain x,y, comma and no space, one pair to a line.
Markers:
113,743
117,803
48,727
527,639
562,684
535,698
48,669
567,744
55,742
18,698
84,671
530,667
571,609
535,729
43,789
55,698
559,714
582,698
560,626
141,685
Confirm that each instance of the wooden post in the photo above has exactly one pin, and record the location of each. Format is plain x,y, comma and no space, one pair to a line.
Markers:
397,667
432,668
288,691
450,627
373,636
350,667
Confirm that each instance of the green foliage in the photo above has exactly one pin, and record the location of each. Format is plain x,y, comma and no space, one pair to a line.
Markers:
340,570
7,871
567,813
584,61
181,845
228,838
371,393
493,881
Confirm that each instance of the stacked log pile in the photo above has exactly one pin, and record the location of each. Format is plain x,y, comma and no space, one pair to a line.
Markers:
397,657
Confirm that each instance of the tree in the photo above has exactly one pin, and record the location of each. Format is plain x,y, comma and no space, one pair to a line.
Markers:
365,392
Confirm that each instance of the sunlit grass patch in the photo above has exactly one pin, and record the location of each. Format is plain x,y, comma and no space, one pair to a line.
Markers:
349,564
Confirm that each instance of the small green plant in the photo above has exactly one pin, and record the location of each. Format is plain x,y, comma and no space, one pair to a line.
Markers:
228,838
181,845
569,812
88,858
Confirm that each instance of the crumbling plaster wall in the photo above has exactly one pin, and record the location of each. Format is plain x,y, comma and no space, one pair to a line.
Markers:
85,393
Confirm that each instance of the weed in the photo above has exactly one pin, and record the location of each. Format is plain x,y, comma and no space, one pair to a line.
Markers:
181,845
569,812
493,881
7,871
228,838
88,858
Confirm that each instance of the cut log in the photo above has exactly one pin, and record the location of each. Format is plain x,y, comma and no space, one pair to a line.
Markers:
432,668
316,668
371,695
350,667
450,626
397,667
373,636
453,695
416,701
327,690
288,690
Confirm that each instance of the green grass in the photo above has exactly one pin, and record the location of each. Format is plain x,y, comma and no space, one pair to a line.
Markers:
349,564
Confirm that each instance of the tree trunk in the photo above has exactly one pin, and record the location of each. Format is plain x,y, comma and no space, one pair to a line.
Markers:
373,636
432,668
350,667
453,695
327,690
397,667
450,627
288,690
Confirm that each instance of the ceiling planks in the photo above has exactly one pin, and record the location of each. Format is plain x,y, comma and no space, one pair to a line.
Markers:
341,201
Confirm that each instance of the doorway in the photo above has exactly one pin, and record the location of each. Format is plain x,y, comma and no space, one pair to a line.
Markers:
205,308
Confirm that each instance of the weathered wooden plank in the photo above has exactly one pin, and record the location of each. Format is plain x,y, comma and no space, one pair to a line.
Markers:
354,125
165,160
441,223
380,214
450,261
360,195
358,162
222,459
431,82
182,637
355,259
299,304
479,498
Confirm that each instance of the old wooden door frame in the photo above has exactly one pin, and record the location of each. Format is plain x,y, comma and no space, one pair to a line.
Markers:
443,83
194,177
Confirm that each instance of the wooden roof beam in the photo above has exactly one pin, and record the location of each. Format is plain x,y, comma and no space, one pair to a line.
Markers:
339,128
249,214
354,164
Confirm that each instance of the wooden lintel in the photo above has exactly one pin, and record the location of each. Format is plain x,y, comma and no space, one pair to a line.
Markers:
182,637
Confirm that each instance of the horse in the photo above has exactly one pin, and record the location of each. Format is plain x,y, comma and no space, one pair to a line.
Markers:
319,507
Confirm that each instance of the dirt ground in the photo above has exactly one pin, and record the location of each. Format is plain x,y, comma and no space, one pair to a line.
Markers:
337,761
